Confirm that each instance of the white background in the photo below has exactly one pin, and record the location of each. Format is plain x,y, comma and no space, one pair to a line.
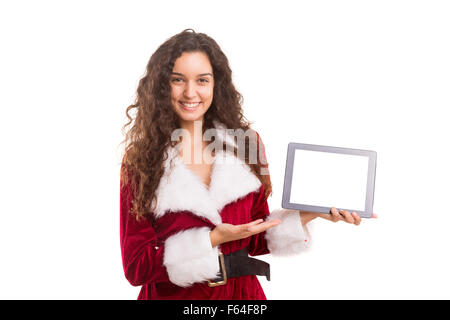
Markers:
360,74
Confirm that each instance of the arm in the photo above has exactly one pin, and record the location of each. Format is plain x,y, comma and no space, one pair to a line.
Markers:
334,216
266,236
185,257
290,236
142,255
190,257
281,234
306,216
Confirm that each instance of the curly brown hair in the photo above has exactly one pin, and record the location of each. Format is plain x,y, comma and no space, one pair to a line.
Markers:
149,138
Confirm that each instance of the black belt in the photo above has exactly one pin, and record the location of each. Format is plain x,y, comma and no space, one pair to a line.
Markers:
238,264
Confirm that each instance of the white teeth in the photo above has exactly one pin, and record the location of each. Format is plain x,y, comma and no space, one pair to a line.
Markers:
190,105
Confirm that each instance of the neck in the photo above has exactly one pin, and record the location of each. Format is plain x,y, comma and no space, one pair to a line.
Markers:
194,144
194,128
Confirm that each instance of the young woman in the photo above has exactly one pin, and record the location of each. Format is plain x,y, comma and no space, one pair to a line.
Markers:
189,223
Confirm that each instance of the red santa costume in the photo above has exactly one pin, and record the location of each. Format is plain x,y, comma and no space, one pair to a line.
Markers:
172,257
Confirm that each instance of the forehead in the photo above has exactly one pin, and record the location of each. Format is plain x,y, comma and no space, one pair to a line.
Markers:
192,63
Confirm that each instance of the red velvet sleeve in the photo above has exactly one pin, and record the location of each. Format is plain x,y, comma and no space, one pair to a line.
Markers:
260,210
142,254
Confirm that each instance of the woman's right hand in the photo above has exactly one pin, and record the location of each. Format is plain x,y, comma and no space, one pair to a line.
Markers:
226,232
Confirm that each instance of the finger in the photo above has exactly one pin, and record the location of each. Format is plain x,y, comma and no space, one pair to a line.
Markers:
357,218
263,226
347,216
335,216
246,227
254,222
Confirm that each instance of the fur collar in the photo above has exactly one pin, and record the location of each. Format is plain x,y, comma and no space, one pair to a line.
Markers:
182,190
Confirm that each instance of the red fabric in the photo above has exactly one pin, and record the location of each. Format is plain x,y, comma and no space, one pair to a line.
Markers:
142,245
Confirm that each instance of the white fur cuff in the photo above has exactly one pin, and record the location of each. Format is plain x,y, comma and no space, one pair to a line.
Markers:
289,237
189,257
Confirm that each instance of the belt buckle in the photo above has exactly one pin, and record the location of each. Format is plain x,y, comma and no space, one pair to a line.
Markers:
224,273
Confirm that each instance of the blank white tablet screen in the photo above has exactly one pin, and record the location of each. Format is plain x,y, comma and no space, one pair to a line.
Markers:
329,179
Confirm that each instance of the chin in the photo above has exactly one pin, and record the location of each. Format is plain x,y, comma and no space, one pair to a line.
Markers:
185,115
190,117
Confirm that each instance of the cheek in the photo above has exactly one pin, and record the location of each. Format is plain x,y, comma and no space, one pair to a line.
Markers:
174,93
207,93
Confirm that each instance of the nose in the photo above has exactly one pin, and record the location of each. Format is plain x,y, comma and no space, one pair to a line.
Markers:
190,90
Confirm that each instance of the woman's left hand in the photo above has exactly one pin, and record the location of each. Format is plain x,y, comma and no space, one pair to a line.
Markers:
342,215
334,216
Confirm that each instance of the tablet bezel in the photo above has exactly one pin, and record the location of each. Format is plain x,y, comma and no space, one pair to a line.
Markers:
370,188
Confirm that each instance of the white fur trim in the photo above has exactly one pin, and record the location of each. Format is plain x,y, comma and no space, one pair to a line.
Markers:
180,189
231,180
289,237
189,257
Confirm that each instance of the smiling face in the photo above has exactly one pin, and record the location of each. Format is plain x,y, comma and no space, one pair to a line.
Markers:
192,86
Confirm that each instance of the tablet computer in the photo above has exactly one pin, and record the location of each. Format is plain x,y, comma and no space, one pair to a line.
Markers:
320,177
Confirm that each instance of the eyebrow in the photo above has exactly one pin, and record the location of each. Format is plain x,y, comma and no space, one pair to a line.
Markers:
200,75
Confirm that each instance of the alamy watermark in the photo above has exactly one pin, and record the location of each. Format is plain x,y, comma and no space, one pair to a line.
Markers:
234,138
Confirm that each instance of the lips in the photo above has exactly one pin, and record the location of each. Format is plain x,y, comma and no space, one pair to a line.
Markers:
190,105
